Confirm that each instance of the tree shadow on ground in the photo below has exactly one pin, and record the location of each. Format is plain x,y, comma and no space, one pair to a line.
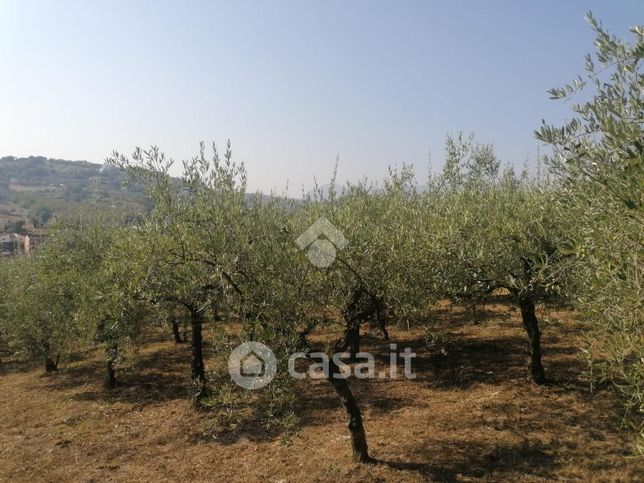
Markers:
316,404
549,431
466,362
461,362
455,315
144,384
544,427
13,366
476,460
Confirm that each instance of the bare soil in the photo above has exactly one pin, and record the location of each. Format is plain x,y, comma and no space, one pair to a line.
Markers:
470,415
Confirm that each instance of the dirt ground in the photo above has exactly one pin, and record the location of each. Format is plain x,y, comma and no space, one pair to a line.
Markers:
469,415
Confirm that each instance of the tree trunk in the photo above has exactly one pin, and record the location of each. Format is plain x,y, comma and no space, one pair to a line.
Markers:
381,318
352,337
348,402
354,417
198,368
531,325
111,354
175,332
51,365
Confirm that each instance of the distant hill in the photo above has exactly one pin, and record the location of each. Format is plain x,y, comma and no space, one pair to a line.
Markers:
41,171
34,190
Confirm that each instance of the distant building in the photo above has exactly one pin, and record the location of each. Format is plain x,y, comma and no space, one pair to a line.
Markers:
14,244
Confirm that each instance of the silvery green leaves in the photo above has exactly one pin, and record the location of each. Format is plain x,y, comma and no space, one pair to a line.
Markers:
599,156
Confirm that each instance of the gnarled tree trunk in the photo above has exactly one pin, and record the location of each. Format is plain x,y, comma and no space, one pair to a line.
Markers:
348,402
531,325
361,307
381,318
51,365
111,354
197,365
354,416
352,337
175,331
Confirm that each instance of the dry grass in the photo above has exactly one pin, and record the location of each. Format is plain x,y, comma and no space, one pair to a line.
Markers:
469,415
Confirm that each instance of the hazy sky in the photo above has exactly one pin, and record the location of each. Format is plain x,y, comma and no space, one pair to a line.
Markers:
291,83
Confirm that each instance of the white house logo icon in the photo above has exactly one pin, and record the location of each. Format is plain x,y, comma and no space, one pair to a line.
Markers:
252,365
322,251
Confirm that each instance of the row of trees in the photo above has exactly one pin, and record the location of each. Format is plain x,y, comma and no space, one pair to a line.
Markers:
209,251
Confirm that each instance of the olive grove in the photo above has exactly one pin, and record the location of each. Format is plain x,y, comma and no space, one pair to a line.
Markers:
234,266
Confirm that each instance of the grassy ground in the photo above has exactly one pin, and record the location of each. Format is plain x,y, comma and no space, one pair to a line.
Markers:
469,415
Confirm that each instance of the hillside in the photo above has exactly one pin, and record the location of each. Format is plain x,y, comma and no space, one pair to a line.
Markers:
34,190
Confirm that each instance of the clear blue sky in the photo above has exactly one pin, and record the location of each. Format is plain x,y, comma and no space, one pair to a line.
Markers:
291,83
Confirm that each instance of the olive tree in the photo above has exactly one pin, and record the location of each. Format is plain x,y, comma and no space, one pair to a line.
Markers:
494,229
356,269
192,236
114,309
44,291
599,159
